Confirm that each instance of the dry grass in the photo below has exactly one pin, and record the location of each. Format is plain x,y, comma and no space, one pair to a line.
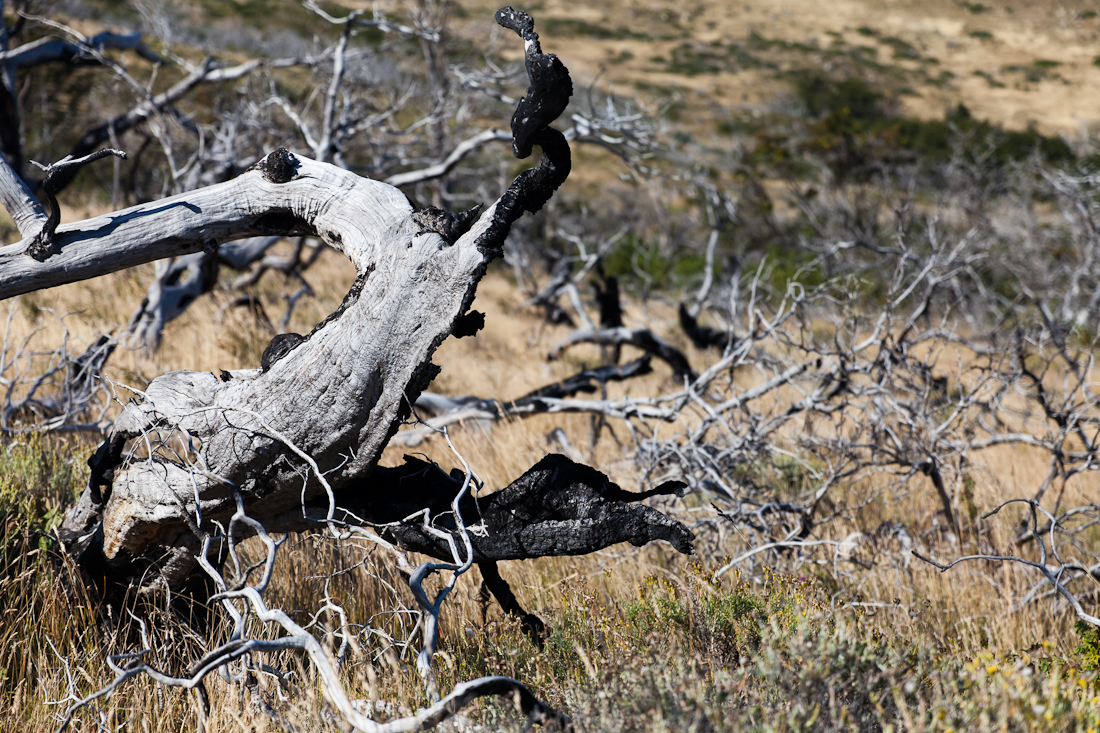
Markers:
640,639
207,337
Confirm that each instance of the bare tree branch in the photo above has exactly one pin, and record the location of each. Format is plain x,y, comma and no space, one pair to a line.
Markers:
1052,572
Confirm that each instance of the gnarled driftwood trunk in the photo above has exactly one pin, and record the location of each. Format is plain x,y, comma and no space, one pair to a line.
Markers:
325,403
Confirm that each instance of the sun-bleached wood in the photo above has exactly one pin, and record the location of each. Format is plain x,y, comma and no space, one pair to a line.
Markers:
20,203
318,413
326,197
335,396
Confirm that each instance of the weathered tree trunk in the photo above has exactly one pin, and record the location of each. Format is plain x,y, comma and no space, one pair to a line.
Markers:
335,394
323,404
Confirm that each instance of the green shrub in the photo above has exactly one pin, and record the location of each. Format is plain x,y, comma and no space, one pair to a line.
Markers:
902,49
853,128
38,479
851,99
1089,648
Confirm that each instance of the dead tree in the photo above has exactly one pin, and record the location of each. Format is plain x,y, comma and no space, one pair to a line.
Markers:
199,461
336,125
897,394
78,50
315,417
547,399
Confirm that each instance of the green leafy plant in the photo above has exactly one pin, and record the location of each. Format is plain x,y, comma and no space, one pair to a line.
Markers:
1089,646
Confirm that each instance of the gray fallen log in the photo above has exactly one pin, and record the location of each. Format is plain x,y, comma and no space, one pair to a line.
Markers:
298,440
336,394
321,405
295,444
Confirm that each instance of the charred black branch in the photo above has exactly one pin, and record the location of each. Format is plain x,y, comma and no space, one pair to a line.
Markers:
468,324
702,336
281,345
447,225
550,89
41,247
611,309
87,367
557,508
641,338
280,166
11,143
931,469
255,306
548,298
498,586
546,99
587,381
103,464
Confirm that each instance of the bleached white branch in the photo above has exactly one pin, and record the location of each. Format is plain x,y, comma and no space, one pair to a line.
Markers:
25,210
454,158
245,206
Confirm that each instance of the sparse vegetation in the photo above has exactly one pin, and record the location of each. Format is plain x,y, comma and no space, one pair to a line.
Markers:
903,50
1036,71
573,27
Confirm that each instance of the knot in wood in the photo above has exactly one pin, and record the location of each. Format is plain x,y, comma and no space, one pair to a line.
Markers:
448,226
279,166
279,347
41,247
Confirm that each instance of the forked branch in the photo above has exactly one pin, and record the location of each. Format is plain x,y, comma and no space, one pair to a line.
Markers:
1057,573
